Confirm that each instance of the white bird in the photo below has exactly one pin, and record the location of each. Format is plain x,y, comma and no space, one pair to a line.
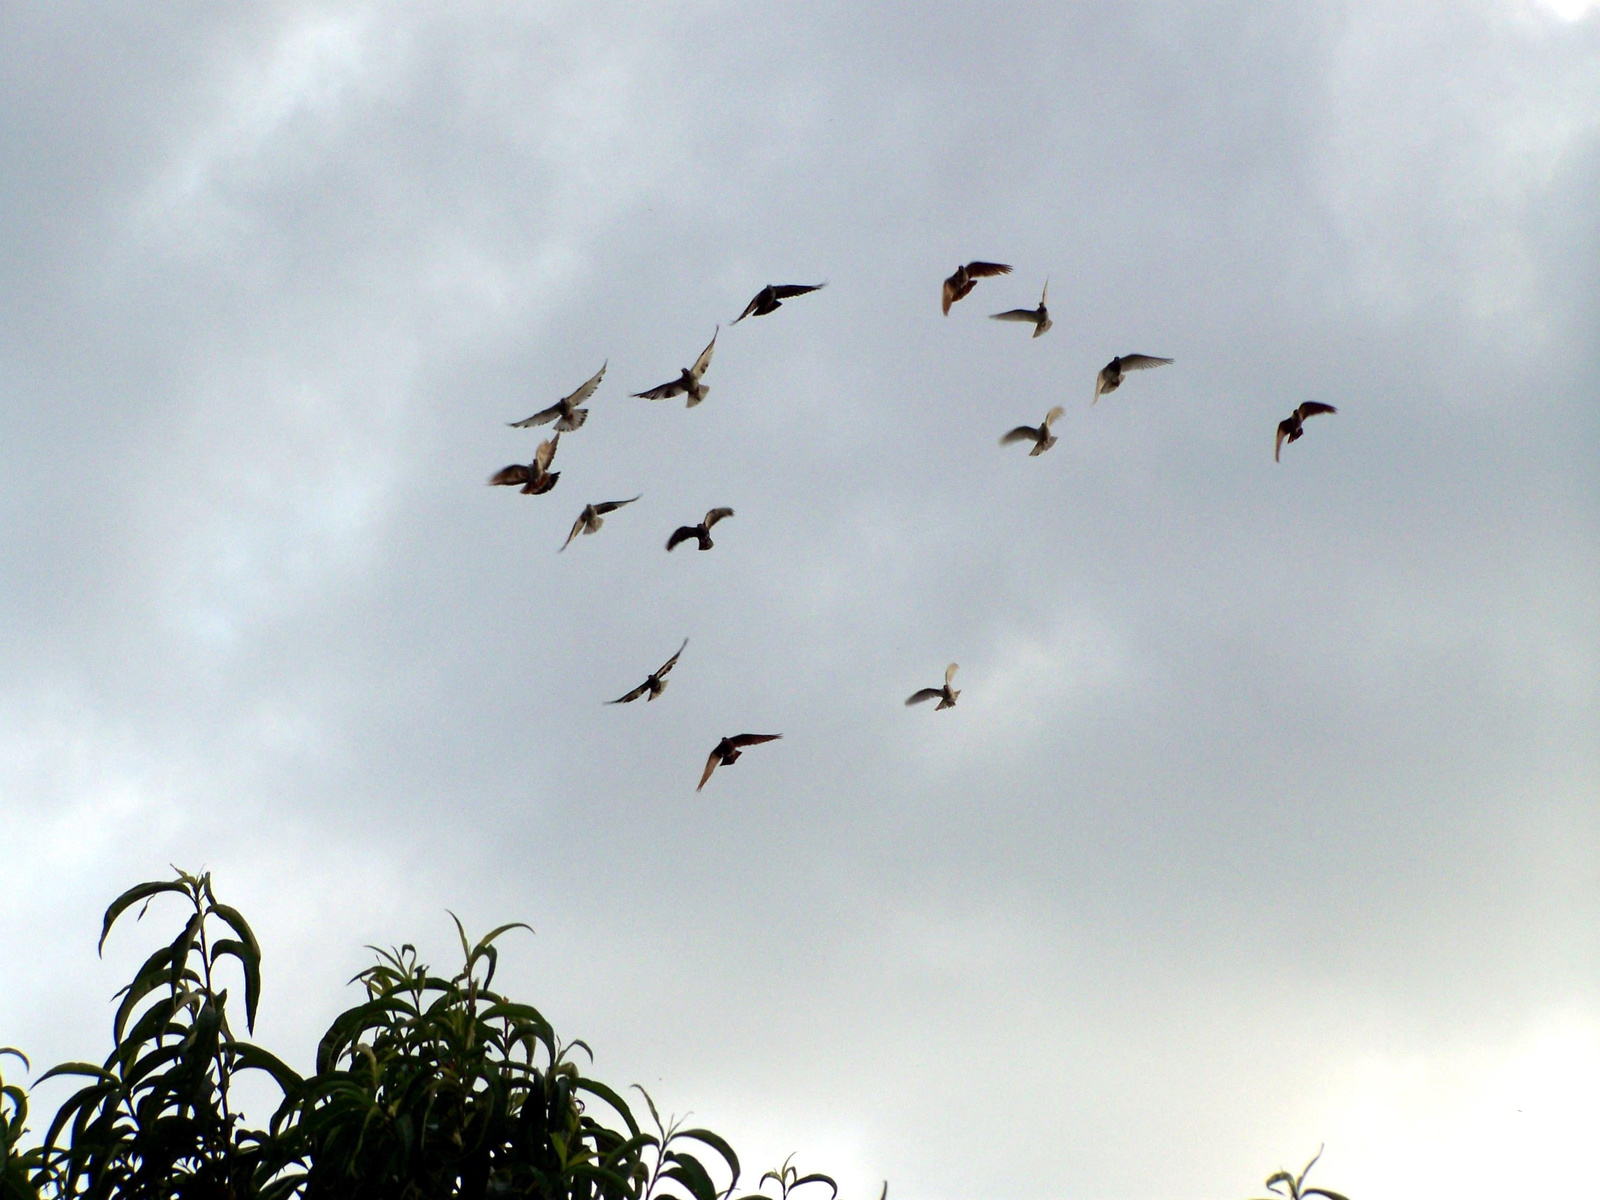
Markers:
1110,377
1039,316
944,695
591,518
566,408
688,381
1040,436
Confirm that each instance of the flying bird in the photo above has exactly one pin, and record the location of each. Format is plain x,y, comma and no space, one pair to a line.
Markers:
1041,437
700,532
1039,316
566,409
966,278
536,478
729,748
688,381
1110,377
771,298
592,517
1290,428
945,695
655,684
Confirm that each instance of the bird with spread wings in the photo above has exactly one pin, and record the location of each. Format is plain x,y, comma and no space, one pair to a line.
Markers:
592,517
727,751
565,411
688,382
771,298
655,684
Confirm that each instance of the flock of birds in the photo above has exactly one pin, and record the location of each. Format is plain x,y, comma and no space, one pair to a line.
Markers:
535,478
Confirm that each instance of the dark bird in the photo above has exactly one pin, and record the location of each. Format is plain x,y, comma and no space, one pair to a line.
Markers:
566,409
944,695
729,748
771,298
1041,437
1039,316
966,278
1290,428
700,532
656,684
1110,377
688,382
536,478
592,517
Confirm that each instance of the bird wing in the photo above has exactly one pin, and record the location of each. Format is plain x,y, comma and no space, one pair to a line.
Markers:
950,673
950,293
633,695
711,765
1044,296
1312,408
752,739
665,392
577,528
1142,362
509,476
715,515
671,662
752,306
1016,314
1100,382
682,534
546,452
1050,417
1022,433
539,418
1277,448
924,694
988,268
587,389
606,506
783,291
704,361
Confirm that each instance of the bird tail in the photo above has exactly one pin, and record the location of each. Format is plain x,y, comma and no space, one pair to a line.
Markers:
567,424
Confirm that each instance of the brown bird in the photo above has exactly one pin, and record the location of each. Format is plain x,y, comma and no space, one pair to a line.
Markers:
688,382
591,518
771,298
1290,428
729,748
536,478
1041,437
966,278
566,409
700,532
1039,316
1110,377
944,695
655,685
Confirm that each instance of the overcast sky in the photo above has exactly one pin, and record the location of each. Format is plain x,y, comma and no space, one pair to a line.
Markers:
1270,812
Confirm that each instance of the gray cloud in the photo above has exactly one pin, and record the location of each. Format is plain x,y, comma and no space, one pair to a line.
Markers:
1267,784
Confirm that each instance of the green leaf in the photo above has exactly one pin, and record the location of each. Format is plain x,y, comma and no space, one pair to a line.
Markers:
728,1156
1324,1192
131,897
250,961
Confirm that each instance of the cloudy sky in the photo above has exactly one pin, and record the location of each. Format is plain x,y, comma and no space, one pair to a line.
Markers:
1270,812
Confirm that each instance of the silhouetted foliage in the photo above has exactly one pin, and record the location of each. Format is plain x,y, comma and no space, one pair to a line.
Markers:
1296,1183
431,1087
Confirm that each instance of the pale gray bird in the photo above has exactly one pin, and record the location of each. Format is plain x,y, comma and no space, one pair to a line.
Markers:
565,411
727,751
1110,377
688,382
1290,428
536,478
655,684
966,278
700,532
1041,437
771,298
1039,316
592,517
945,695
